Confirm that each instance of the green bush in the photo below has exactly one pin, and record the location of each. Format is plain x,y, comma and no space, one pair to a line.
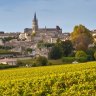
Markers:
29,62
41,61
81,59
90,58
50,63
21,63
68,59
81,56
6,66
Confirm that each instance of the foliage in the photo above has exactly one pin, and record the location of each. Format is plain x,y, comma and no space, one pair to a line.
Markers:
21,63
55,62
32,62
6,47
7,39
58,41
81,37
28,62
81,56
2,51
81,59
93,48
29,50
62,80
90,54
72,54
42,44
55,52
67,47
48,45
38,61
95,55
41,61
68,59
61,48
6,66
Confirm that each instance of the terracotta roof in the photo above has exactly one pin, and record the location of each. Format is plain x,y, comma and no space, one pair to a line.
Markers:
7,60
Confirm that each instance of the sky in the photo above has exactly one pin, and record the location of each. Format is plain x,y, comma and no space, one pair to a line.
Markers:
15,15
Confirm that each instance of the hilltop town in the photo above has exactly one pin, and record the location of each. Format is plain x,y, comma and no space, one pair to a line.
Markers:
31,38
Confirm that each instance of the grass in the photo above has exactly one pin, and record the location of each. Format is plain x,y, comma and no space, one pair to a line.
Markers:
56,62
51,62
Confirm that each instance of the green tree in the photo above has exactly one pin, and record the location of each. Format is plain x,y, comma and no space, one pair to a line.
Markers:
90,54
93,48
81,37
40,44
67,47
29,50
58,41
48,45
55,52
6,39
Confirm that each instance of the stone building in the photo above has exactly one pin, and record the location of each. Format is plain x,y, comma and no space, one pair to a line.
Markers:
9,34
36,34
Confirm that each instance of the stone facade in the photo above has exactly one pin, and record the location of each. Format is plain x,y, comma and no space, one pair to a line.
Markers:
12,34
37,34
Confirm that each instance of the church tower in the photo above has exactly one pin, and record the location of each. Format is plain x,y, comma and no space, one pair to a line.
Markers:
34,24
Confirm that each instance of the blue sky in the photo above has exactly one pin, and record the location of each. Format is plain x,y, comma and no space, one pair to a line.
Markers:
15,15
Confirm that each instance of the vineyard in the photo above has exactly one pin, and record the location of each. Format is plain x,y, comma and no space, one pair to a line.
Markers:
59,80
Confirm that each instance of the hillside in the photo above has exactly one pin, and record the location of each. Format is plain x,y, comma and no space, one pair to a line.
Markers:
59,80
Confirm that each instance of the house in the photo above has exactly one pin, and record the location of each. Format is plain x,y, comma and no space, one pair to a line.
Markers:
8,61
1,42
11,34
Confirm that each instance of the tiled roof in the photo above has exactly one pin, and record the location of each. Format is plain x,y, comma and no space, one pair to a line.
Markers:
7,60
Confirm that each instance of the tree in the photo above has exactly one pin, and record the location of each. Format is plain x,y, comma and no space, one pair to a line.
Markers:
90,54
95,55
55,52
29,50
67,47
40,44
48,45
7,39
58,41
93,47
81,37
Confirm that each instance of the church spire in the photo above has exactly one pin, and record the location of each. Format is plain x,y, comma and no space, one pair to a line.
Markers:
35,18
35,23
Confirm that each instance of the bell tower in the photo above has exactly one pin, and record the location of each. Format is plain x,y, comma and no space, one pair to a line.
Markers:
34,24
